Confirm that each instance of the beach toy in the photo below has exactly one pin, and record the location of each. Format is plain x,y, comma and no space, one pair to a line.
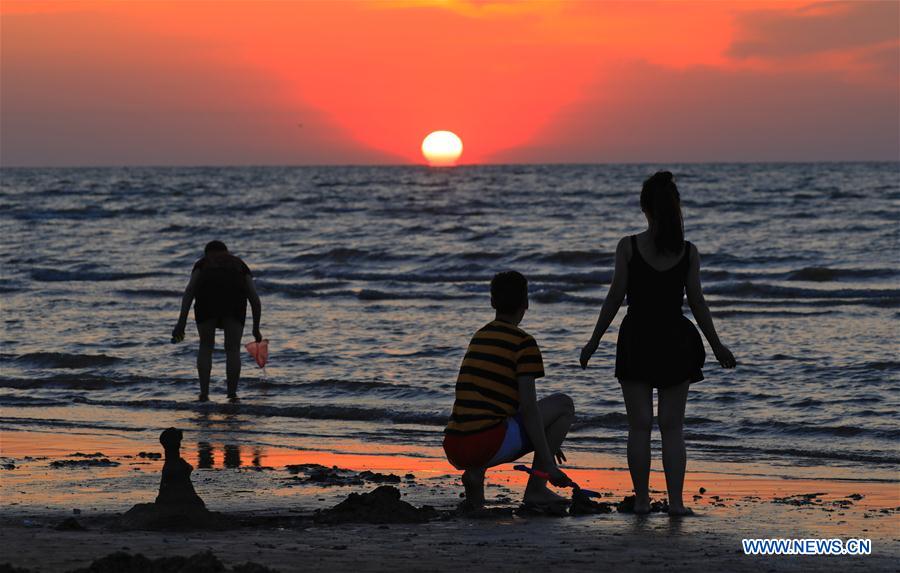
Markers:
576,490
259,351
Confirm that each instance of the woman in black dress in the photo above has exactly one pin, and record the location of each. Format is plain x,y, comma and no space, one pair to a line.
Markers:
221,284
658,346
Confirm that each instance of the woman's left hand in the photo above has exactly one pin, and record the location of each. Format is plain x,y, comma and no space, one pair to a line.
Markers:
724,356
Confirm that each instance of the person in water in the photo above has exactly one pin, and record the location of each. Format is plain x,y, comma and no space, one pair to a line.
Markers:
221,284
175,487
496,416
658,347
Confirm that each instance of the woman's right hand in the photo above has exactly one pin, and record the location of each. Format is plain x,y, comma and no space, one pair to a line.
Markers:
724,356
178,333
587,352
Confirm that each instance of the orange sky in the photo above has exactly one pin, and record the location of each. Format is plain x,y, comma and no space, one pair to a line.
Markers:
112,83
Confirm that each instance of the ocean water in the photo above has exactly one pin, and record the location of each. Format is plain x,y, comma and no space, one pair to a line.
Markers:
373,279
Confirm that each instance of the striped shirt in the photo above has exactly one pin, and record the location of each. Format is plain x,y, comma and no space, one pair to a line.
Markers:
487,388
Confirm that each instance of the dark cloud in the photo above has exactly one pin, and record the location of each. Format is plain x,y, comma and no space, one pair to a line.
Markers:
645,113
884,59
816,28
84,89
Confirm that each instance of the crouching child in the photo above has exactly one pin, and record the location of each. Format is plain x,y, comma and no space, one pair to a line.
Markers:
496,416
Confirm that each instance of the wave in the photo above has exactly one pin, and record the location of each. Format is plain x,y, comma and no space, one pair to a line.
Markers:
879,365
345,254
30,402
826,274
419,277
63,360
570,257
795,428
729,260
56,275
73,381
322,290
150,293
429,277
328,386
550,296
56,423
842,454
307,411
374,295
298,290
768,313
480,256
619,420
339,387
768,290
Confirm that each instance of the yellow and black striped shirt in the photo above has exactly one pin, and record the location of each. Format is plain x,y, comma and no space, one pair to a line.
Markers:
487,388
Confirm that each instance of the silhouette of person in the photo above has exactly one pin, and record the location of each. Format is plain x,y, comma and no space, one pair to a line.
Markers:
221,284
175,487
658,347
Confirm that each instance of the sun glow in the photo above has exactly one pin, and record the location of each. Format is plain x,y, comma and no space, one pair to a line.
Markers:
442,148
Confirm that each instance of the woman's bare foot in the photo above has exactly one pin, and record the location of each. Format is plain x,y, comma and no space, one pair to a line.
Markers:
473,482
642,505
203,398
680,511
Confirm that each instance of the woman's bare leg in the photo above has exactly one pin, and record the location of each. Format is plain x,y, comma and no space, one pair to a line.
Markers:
672,402
207,332
639,406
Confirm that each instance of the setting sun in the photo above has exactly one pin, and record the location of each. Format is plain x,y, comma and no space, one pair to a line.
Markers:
442,148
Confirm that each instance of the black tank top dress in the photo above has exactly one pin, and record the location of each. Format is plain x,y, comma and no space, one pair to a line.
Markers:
657,344
221,289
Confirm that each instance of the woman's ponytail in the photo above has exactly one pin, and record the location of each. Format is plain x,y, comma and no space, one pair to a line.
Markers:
660,200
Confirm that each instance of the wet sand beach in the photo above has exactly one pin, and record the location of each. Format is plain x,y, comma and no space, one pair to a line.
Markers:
271,502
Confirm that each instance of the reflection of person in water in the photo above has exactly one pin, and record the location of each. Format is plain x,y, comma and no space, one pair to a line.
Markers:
205,455
221,284
175,487
231,456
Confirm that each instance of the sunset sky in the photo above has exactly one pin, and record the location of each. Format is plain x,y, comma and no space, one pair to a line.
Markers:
293,83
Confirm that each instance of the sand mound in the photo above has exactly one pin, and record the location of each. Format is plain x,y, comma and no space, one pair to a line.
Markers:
381,505
583,505
334,476
160,517
199,563
70,524
89,462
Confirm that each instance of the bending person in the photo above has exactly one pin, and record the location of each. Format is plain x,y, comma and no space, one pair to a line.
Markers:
658,347
220,286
